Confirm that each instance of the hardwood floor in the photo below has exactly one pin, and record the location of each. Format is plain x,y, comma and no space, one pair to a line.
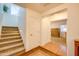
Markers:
38,51
58,40
57,46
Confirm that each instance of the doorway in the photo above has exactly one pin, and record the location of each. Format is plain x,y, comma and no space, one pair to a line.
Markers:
58,35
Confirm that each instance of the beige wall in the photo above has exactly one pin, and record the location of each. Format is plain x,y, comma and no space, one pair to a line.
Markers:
32,29
73,28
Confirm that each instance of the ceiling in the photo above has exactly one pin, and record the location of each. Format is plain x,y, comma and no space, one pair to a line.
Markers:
39,7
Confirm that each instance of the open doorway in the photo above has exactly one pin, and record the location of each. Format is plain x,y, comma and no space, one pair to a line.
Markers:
58,34
59,30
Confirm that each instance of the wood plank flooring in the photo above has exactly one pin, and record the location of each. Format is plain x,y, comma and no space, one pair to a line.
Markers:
38,51
57,46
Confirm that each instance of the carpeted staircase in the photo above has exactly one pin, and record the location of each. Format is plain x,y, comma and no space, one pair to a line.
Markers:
10,41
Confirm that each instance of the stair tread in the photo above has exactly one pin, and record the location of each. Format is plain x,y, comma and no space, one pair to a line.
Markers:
10,46
9,34
9,31
9,37
5,42
10,52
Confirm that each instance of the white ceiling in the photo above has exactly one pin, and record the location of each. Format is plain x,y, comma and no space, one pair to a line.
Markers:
40,7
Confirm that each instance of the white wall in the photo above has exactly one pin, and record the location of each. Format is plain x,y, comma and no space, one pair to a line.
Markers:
45,31
73,28
59,16
57,24
10,20
55,10
22,24
32,29
1,17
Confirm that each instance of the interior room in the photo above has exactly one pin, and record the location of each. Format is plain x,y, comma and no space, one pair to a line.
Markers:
59,30
58,34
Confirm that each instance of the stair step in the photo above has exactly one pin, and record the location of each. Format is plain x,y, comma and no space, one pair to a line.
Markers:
12,37
10,46
12,41
10,28
3,32
10,34
4,40
11,51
